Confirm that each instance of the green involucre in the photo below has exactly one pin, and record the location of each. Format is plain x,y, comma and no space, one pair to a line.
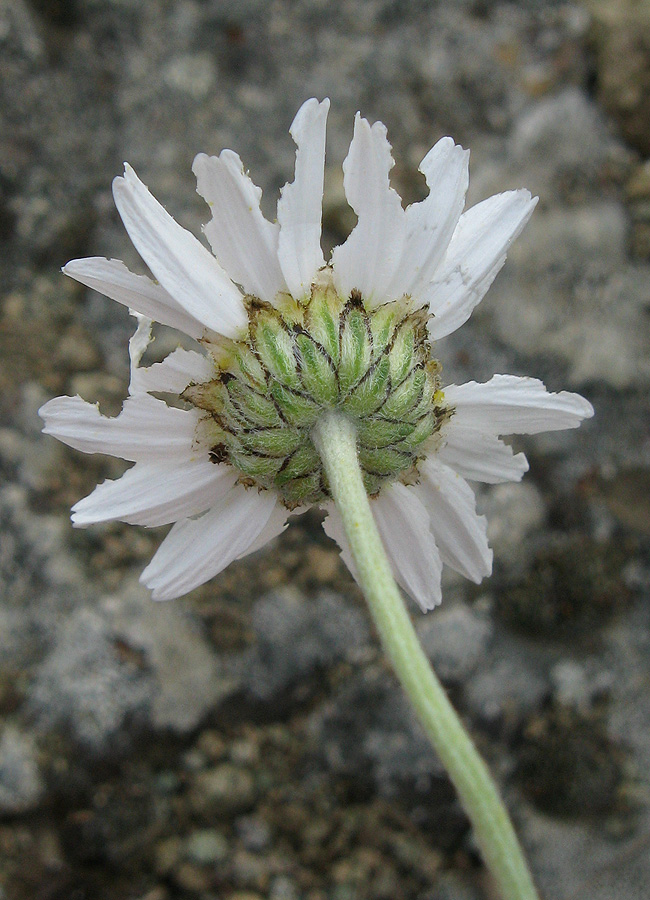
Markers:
301,359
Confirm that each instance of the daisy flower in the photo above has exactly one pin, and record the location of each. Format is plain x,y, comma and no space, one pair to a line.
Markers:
283,338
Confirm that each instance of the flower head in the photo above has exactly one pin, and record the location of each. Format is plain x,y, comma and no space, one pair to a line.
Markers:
282,337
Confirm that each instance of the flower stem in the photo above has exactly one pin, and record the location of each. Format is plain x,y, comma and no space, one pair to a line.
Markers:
335,439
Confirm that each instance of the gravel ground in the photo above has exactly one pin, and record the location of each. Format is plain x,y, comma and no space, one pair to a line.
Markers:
249,742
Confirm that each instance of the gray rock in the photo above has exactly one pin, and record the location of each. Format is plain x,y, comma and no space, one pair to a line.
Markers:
51,216
128,659
296,637
185,673
560,239
82,684
554,305
505,690
40,580
368,731
628,652
578,685
616,356
584,859
621,36
32,546
21,784
455,638
452,886
514,512
560,139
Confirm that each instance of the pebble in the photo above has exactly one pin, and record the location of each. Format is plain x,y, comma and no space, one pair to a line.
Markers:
211,745
206,847
99,387
322,563
192,878
638,198
451,886
622,39
283,888
191,74
571,688
244,752
223,790
157,893
76,352
167,854
578,686
250,870
21,785
253,832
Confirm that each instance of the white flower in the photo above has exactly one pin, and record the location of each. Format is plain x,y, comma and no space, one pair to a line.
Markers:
218,468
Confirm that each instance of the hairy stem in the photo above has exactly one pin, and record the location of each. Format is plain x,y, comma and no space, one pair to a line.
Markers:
335,439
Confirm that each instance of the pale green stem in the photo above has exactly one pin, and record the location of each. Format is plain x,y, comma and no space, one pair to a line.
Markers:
335,439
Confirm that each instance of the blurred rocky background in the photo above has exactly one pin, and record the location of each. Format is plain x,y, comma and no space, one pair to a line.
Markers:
249,742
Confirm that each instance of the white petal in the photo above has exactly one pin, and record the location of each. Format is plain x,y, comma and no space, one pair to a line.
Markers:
178,260
275,526
112,278
146,429
196,550
156,493
138,344
244,242
431,223
461,534
403,523
479,455
301,203
476,253
175,372
507,404
369,258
